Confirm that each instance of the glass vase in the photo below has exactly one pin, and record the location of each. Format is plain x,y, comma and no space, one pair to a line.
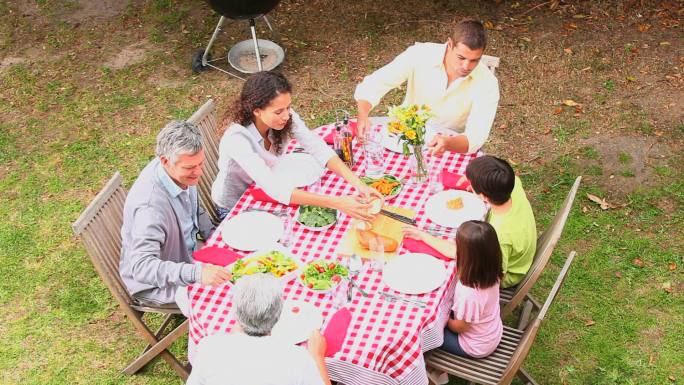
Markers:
418,167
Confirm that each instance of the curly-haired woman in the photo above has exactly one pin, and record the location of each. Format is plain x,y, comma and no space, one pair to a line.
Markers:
256,131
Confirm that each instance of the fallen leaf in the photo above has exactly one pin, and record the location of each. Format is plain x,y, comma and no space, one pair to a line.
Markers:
558,110
527,39
570,26
601,202
585,209
511,161
671,378
568,51
547,131
579,16
618,274
570,103
664,43
630,78
503,126
643,27
667,286
672,266
658,133
488,25
651,359
590,322
638,262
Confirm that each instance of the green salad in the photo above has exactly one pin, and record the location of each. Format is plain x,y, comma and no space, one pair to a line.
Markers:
323,275
315,216
273,262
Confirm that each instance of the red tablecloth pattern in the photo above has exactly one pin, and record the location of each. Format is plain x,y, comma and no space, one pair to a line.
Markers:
385,340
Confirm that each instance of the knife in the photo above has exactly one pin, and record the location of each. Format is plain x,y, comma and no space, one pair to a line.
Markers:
398,217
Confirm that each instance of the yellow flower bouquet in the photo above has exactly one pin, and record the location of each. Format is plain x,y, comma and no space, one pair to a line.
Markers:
408,123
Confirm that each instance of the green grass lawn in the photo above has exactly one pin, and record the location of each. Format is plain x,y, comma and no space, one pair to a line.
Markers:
72,116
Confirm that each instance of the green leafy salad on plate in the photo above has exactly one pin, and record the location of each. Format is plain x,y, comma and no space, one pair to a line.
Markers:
315,216
323,275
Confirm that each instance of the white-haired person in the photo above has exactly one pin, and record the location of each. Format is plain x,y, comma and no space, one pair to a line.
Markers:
162,221
249,355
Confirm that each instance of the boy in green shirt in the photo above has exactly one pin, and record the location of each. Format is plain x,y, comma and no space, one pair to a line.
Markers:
494,181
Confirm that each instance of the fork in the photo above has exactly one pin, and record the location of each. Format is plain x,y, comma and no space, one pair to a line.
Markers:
354,265
394,298
438,231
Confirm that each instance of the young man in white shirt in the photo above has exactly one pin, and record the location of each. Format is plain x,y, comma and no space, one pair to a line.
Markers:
249,355
449,78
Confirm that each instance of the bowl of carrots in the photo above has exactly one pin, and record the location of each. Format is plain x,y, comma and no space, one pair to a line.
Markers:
387,185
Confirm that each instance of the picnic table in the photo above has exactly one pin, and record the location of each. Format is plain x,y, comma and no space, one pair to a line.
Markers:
385,340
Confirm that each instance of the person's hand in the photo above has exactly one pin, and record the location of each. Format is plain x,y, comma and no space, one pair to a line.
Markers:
362,126
213,275
354,206
463,180
438,145
317,344
367,193
414,232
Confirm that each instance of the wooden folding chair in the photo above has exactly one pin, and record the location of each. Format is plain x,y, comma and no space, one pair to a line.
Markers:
206,121
492,62
99,227
511,297
502,366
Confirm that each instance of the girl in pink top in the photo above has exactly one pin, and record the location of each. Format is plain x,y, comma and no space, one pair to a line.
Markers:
475,328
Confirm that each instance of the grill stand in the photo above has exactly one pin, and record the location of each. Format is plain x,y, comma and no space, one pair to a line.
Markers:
202,59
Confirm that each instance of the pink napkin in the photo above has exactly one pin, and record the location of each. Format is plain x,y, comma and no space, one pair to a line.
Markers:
216,256
260,195
336,331
417,246
330,137
450,180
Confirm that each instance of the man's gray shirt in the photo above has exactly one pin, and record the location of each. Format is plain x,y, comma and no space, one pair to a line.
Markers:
158,225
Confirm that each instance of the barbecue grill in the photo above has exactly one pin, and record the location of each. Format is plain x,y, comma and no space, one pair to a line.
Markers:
247,56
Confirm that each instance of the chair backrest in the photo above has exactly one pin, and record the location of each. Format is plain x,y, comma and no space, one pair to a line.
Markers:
99,227
545,244
532,329
492,62
206,120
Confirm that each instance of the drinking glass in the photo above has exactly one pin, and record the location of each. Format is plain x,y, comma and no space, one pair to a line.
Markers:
434,173
339,294
374,153
316,187
288,221
377,253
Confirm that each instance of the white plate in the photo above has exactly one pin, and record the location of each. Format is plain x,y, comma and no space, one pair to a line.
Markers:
252,230
414,273
436,208
299,168
295,327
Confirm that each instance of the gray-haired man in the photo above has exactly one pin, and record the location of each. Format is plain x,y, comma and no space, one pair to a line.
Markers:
162,221
249,355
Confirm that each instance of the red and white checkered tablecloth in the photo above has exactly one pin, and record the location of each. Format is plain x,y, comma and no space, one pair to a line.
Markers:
385,340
